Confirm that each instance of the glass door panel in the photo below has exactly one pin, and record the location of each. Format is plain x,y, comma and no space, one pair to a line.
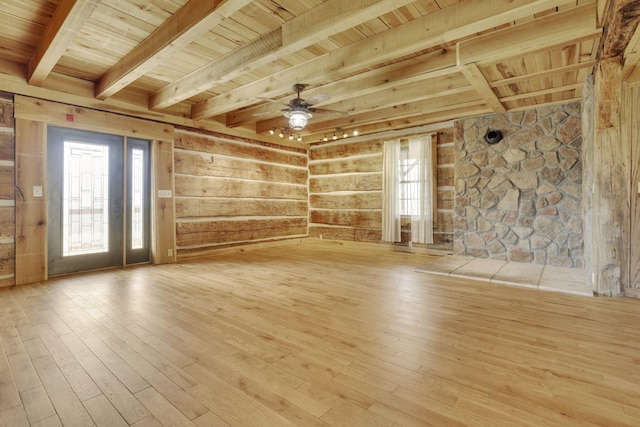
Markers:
85,186
138,198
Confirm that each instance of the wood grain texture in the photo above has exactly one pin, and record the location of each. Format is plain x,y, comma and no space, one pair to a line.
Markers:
31,221
313,333
230,192
631,120
611,176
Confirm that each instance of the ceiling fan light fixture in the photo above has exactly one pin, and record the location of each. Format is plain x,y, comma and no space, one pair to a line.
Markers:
281,134
325,139
298,118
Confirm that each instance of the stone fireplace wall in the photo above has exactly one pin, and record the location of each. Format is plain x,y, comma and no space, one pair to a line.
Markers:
521,199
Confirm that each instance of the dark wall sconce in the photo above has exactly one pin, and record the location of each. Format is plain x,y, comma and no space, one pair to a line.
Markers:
493,136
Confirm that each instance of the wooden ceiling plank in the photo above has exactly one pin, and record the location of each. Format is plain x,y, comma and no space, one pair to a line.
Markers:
430,65
430,30
448,85
189,22
478,81
304,30
575,24
553,90
69,17
435,105
542,74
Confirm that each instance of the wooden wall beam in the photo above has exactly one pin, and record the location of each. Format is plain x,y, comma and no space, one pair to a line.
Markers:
611,178
69,17
31,215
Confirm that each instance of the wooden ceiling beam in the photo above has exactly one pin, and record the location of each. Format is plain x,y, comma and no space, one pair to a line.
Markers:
328,18
459,20
68,18
620,24
561,28
479,83
188,23
430,65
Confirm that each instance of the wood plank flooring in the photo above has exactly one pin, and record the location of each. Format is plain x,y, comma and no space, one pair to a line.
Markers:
312,333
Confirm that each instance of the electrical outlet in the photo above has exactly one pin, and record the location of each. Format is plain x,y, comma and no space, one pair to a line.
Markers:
170,252
37,191
164,194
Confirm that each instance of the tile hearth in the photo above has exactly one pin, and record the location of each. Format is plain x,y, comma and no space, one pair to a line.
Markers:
543,277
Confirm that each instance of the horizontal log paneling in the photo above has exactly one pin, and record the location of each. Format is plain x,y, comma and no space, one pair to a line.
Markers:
7,146
354,182
6,182
364,200
359,164
7,264
446,198
230,192
6,111
206,144
7,192
371,235
339,151
187,185
352,218
198,164
7,222
190,208
210,233
345,186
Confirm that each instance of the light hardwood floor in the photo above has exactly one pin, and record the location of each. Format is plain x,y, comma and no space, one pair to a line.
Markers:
312,333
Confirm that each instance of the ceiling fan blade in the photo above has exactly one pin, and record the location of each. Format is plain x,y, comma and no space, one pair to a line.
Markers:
325,111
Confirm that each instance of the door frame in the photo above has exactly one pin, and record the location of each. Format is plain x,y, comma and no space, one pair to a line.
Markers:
32,116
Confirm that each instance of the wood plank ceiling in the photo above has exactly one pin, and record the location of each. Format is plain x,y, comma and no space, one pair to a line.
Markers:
218,64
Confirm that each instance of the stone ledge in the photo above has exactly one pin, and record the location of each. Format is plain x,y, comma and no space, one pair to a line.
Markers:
534,276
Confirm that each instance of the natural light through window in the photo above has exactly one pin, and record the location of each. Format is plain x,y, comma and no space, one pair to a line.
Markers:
85,211
137,199
409,183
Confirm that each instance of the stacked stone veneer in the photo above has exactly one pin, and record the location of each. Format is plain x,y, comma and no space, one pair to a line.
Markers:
521,199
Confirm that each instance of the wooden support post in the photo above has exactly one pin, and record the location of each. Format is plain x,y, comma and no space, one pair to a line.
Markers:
611,179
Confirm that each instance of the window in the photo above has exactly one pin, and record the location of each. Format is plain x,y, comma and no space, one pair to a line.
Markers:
408,188
409,183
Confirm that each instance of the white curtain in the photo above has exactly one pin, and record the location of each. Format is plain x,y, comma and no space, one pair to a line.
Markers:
391,192
422,218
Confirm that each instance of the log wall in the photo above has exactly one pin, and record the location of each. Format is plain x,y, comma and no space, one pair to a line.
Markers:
345,191
230,191
7,199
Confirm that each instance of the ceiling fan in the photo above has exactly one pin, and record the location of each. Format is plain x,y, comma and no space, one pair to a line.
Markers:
299,111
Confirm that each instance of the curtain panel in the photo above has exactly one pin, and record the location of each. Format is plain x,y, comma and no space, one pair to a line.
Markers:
422,219
391,192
